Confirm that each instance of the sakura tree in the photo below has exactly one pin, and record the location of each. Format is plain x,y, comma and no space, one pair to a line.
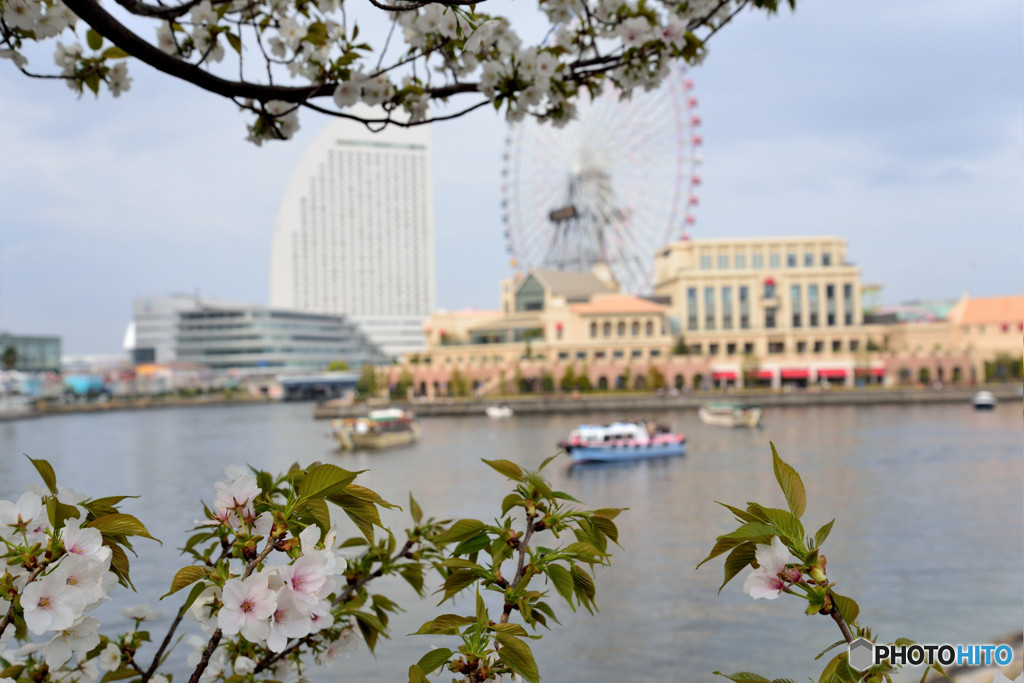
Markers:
273,57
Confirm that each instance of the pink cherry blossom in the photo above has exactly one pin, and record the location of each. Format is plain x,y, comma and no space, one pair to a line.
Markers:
248,605
50,604
767,581
291,619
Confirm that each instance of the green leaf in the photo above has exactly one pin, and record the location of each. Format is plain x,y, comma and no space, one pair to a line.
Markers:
548,460
120,523
416,674
583,585
115,52
562,580
822,533
838,670
723,544
186,576
433,660
540,484
460,531
193,595
517,656
831,647
104,506
740,557
745,677
457,581
119,675
322,480
234,41
792,486
848,608
414,509
607,527
472,545
363,513
363,493
119,563
446,624
45,471
317,510
511,500
370,627
755,532
607,513
742,515
786,523
506,468
94,39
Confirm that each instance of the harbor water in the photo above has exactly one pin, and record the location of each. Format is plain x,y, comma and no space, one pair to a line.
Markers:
928,503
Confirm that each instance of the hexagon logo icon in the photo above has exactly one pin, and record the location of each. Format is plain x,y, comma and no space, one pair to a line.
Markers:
862,654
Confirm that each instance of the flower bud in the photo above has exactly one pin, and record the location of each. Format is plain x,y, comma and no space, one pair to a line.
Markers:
817,575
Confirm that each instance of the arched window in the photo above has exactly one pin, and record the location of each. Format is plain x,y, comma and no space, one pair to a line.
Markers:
680,381
621,329
602,383
607,329
593,330
636,328
649,329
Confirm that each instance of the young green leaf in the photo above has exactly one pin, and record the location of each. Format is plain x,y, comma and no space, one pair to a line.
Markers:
791,484
506,468
744,677
121,524
323,479
562,580
740,557
433,660
414,509
186,576
822,534
45,471
517,656
460,531
848,608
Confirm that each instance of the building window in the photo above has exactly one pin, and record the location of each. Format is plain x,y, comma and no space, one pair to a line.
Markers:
617,354
847,303
607,329
748,348
809,260
769,289
705,261
741,261
730,349
801,347
769,318
776,347
637,353
981,329
791,260
581,355
563,355
622,329
726,308
599,354
649,328
812,303
830,304
744,293
837,345
723,261
655,353
593,330
757,260
696,349
636,329
819,346
826,259
854,345
794,298
709,308
691,308
773,260
712,349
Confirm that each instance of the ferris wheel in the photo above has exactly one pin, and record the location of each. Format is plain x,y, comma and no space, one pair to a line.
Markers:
613,186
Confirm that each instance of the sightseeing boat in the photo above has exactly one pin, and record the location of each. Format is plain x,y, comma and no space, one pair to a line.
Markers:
376,430
730,415
499,411
622,441
984,400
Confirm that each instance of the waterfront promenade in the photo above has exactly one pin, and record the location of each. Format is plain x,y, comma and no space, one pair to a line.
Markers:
633,402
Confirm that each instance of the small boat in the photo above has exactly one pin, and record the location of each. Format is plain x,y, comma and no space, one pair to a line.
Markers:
984,400
622,441
730,415
378,429
499,411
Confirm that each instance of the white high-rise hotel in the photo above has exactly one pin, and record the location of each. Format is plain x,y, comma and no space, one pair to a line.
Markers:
355,233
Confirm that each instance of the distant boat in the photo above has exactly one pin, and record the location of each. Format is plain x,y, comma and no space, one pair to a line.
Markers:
622,441
730,415
499,411
377,430
984,400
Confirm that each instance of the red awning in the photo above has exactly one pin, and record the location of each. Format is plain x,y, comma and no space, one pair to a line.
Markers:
723,375
764,374
795,373
769,281
832,373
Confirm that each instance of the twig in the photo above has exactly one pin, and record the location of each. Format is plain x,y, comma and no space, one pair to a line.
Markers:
163,646
523,545
834,613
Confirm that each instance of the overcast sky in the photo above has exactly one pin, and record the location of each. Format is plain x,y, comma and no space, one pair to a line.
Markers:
897,125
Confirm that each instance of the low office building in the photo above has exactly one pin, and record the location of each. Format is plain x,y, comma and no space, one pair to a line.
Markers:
248,338
32,352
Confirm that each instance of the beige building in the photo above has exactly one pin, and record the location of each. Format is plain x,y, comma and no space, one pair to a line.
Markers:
780,309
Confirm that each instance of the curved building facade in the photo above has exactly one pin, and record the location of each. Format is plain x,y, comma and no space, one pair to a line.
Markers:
355,233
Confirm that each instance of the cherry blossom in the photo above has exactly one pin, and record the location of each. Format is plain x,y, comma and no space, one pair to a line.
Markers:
86,542
768,580
81,636
50,604
248,606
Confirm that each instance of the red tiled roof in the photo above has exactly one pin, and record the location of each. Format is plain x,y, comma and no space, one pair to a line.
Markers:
617,303
994,309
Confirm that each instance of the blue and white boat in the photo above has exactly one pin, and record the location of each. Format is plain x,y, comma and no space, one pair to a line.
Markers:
622,441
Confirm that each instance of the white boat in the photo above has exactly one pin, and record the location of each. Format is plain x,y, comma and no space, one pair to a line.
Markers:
499,411
730,415
622,441
378,429
984,400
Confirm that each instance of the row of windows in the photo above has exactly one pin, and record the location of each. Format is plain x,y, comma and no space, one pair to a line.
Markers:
598,355
724,295
739,260
620,329
774,348
1003,327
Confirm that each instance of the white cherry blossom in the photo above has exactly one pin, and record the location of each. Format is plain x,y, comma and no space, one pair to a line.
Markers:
50,604
81,636
247,607
767,581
